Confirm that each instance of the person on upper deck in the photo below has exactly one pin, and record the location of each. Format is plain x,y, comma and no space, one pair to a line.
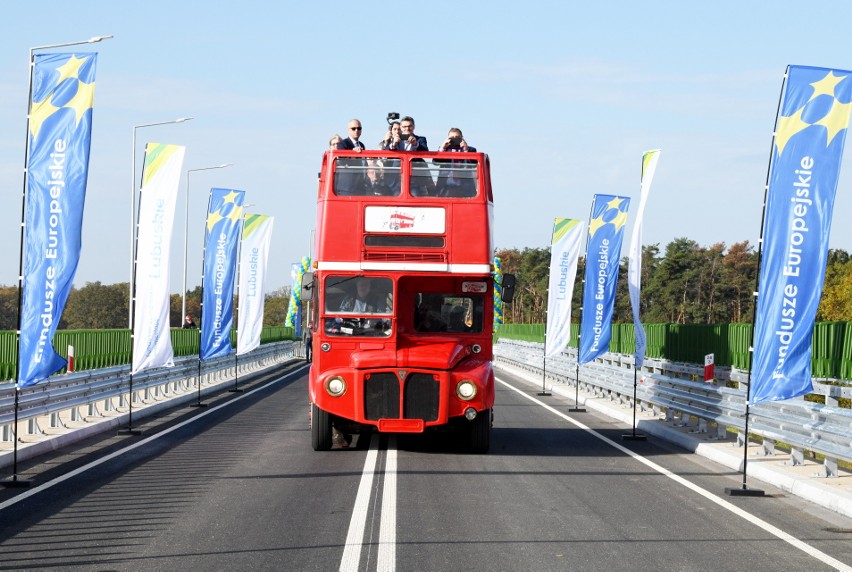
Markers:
455,142
410,141
455,179
392,139
334,142
352,142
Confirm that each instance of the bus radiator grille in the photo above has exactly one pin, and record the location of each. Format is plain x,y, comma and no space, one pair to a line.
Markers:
421,397
381,396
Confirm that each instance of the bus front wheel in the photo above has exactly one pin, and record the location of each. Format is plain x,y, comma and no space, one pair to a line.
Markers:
480,433
320,429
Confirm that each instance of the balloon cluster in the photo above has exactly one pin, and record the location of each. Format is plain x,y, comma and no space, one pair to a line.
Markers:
296,296
498,292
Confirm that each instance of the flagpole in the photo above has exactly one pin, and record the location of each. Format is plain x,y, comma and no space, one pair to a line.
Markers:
544,392
638,242
237,307
201,327
744,490
129,430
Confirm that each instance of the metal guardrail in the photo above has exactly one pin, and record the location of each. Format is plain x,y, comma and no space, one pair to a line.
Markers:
72,400
673,389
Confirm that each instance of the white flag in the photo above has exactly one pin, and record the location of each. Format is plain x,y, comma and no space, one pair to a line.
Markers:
634,267
254,255
152,341
565,248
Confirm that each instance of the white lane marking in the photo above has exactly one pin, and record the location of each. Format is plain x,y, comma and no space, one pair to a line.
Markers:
789,539
387,529
355,537
93,464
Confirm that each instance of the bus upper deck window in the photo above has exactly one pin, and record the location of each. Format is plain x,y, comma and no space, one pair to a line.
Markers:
455,178
366,177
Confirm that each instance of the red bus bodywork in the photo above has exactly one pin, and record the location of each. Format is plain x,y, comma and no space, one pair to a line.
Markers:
401,307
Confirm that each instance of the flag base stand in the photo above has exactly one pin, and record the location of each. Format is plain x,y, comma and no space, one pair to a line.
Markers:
743,492
199,405
17,483
236,390
130,431
577,409
634,437
544,393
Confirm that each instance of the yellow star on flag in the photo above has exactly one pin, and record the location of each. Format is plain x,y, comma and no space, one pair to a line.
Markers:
615,203
230,197
595,224
71,68
836,120
787,127
826,85
39,113
82,100
619,220
235,214
212,220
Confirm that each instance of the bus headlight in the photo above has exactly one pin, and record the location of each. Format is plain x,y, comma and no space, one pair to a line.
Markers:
335,386
476,348
466,390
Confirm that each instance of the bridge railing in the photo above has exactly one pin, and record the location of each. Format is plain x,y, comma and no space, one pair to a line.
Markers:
71,401
677,390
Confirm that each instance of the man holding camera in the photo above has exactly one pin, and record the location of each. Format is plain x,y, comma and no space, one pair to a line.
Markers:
455,142
408,140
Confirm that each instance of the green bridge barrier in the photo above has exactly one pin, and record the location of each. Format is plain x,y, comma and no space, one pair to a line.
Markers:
831,356
95,349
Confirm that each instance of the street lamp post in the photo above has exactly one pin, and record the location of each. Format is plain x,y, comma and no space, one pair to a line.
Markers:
133,213
186,230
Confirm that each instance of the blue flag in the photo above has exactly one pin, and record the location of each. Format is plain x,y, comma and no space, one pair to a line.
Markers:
805,166
606,232
60,127
224,223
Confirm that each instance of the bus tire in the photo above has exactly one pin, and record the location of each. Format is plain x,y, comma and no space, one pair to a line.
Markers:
320,429
480,433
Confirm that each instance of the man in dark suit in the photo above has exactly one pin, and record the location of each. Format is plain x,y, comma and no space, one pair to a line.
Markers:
352,142
457,175
410,141
351,182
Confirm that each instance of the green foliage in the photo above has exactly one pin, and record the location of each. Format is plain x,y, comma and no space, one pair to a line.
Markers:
275,306
836,302
687,284
96,306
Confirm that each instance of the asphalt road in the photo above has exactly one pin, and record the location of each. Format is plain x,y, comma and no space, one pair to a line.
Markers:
236,486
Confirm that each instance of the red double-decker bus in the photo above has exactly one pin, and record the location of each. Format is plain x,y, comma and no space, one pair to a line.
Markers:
401,296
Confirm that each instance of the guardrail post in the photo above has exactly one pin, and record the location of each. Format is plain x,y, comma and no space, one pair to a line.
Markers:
829,467
768,447
797,456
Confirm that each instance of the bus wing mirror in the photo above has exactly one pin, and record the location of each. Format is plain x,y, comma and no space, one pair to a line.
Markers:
508,284
307,286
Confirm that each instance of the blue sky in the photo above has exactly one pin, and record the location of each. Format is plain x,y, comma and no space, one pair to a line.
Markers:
564,96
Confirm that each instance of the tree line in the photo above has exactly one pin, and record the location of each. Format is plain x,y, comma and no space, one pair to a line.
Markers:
684,284
98,306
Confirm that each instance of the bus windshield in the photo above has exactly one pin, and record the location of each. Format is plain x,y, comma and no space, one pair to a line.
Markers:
448,313
357,304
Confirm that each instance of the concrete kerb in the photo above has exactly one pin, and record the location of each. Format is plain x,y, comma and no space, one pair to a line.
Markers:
54,442
803,481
